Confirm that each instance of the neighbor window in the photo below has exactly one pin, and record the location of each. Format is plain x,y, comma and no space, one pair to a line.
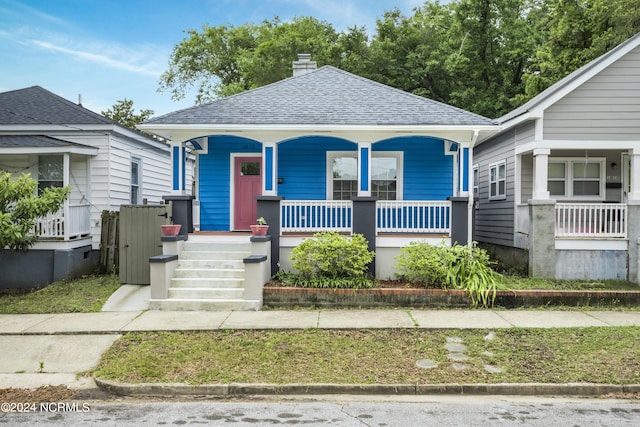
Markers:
135,181
476,183
50,171
498,181
580,178
384,175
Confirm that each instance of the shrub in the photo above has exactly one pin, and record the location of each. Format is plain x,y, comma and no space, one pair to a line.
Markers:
423,263
471,271
463,267
331,260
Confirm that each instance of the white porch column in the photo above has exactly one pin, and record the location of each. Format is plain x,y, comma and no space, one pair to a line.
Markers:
66,165
540,173
364,169
178,168
270,168
634,156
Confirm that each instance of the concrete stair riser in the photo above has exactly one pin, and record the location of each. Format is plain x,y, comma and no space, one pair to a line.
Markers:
222,264
208,273
206,293
207,283
214,255
204,305
217,247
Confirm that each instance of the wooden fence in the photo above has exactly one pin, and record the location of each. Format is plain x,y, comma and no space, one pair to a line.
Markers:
110,242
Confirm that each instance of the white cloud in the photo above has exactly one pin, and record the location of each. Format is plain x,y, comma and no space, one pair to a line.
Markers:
125,61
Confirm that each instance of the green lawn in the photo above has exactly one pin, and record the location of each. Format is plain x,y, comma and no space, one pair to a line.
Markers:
84,295
597,355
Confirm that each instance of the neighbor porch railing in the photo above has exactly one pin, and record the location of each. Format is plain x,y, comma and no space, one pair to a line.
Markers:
311,216
55,226
406,216
591,220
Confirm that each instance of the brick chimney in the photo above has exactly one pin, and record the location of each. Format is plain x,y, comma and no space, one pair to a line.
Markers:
303,65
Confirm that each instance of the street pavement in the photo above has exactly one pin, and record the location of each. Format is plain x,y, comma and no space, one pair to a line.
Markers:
41,349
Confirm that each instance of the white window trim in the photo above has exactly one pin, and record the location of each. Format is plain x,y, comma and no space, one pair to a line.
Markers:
568,182
399,155
497,166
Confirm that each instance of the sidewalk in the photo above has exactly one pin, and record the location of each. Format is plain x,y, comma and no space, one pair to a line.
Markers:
50,349
126,321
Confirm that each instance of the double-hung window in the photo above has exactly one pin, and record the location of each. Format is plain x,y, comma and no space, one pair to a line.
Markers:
576,177
50,171
386,168
498,181
135,181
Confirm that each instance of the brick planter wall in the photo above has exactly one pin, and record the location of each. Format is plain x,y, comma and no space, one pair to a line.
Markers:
287,297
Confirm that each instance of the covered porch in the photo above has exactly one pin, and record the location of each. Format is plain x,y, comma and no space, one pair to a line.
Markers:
577,210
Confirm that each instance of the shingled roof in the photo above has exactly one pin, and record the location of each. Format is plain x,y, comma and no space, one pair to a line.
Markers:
326,96
39,141
37,106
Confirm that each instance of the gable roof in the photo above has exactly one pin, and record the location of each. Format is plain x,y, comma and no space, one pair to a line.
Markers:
37,106
326,96
556,91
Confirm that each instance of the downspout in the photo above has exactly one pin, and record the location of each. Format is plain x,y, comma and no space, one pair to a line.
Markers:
470,204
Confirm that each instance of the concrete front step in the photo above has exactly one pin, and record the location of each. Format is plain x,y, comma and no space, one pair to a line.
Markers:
209,273
192,246
225,264
206,293
199,282
217,255
204,305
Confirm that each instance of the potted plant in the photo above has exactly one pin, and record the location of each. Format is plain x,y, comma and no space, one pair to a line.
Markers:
260,228
170,229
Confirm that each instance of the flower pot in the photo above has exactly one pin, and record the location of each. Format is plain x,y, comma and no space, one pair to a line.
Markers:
170,229
259,230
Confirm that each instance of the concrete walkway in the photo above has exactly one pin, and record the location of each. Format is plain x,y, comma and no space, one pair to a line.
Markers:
41,349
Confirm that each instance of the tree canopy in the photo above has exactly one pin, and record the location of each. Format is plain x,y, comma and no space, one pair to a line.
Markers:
486,56
123,112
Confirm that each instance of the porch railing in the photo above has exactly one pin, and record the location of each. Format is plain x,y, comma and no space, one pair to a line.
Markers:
316,215
77,223
403,216
592,220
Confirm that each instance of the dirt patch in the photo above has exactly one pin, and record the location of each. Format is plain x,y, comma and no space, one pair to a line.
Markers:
58,393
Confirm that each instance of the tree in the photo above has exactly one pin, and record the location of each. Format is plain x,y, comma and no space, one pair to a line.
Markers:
224,60
122,112
20,207
578,31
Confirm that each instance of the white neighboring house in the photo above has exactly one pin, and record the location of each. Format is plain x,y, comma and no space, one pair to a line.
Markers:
106,164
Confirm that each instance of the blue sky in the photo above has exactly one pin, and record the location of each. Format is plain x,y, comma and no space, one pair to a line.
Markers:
108,50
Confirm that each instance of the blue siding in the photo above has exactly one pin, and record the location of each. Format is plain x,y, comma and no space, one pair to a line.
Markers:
302,164
176,168
428,172
268,174
214,179
364,169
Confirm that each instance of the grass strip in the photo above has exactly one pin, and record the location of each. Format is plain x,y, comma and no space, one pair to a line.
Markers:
84,295
597,355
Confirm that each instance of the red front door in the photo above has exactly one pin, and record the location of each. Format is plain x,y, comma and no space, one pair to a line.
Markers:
248,184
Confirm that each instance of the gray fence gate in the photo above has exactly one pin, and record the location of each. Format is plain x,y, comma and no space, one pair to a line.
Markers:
139,240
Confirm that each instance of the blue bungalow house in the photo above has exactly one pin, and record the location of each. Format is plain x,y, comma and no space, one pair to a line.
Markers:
317,146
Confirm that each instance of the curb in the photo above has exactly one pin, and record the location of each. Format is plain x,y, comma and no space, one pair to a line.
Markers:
242,389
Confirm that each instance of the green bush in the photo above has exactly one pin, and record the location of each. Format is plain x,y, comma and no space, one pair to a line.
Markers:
330,254
332,260
423,263
463,267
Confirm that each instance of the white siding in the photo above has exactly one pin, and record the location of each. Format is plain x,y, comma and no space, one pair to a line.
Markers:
607,107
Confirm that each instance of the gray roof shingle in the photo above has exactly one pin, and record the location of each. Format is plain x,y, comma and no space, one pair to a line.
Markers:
326,96
37,106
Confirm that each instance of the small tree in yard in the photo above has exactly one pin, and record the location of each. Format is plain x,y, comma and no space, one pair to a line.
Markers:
21,206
